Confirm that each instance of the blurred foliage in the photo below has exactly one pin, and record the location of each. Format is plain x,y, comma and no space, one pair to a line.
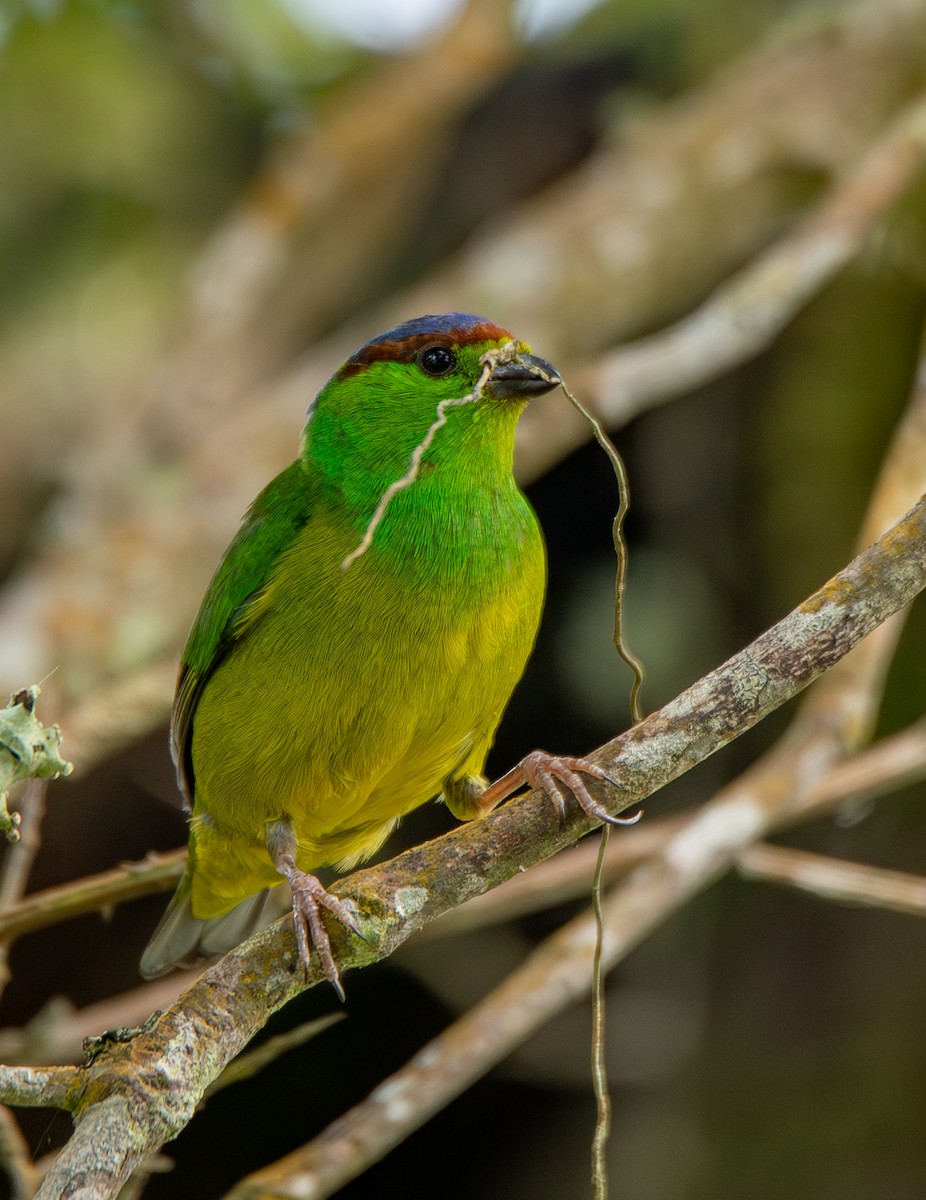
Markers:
764,1044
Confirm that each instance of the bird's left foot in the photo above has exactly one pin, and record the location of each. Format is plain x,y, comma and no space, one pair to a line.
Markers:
552,773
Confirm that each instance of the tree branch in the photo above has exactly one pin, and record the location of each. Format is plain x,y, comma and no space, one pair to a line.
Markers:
749,310
800,777
890,764
95,893
835,879
137,1095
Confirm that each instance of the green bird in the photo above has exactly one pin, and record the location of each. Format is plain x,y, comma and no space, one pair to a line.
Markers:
361,637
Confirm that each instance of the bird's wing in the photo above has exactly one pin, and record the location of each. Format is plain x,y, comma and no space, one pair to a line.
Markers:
236,600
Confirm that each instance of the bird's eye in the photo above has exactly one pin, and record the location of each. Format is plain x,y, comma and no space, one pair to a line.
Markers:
435,360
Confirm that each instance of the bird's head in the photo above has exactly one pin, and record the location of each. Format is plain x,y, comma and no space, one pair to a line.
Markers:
383,401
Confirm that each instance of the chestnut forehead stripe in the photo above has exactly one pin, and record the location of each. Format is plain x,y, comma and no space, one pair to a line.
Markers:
405,349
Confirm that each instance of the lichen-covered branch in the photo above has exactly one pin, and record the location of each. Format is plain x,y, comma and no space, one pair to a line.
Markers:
892,763
559,972
138,1094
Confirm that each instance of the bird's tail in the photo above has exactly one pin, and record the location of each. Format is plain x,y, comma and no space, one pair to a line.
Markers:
182,940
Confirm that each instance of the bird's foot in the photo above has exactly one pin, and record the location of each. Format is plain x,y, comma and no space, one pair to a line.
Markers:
309,898
552,773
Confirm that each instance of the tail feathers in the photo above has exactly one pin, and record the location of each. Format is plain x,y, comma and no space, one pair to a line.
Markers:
182,940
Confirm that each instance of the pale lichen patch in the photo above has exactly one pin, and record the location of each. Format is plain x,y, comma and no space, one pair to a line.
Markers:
410,900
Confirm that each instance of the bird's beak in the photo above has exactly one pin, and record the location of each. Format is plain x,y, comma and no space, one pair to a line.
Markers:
522,377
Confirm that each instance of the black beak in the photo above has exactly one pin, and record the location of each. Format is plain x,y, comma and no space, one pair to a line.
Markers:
522,378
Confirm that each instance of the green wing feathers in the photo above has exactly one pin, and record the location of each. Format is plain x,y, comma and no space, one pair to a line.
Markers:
235,599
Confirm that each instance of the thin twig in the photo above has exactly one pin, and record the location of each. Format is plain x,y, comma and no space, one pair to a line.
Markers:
21,854
835,879
94,893
19,859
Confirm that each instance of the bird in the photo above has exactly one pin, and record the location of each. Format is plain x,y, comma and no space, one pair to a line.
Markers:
361,637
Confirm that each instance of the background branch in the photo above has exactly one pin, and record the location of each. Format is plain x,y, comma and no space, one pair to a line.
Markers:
849,883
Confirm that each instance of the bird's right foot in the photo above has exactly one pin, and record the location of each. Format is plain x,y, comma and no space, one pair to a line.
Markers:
309,898
554,774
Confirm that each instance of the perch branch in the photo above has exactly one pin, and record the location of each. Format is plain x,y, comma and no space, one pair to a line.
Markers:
789,779
884,767
138,1094
890,764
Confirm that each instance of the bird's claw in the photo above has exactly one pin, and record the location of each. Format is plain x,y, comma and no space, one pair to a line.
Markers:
550,772
309,898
